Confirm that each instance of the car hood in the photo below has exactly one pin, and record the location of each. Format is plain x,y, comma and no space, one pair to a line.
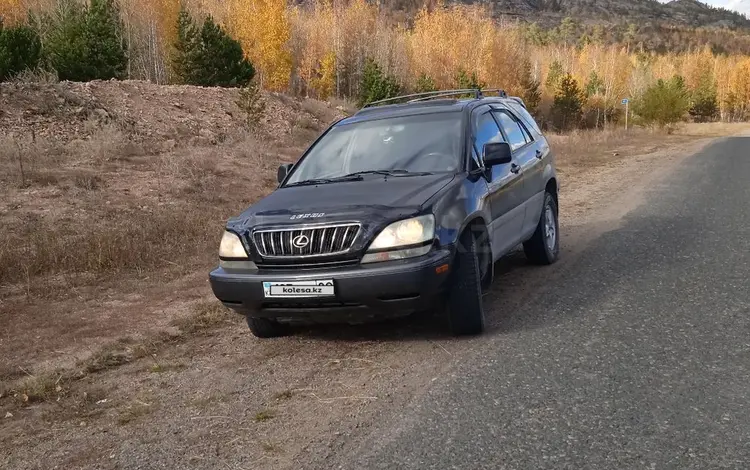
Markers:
366,201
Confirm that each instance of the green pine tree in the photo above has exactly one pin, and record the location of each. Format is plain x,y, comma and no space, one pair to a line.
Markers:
567,109
65,41
186,49
554,76
376,85
663,103
594,85
84,42
106,55
20,49
704,103
532,93
425,84
209,56
469,82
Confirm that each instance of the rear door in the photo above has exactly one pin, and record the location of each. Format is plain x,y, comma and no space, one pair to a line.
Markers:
505,186
529,155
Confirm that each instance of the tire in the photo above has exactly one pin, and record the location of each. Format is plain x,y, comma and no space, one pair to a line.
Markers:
544,246
465,310
265,328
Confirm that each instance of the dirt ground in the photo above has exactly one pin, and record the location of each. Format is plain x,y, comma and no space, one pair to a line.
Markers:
113,352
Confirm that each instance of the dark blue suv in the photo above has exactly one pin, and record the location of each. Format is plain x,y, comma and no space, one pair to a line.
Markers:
404,206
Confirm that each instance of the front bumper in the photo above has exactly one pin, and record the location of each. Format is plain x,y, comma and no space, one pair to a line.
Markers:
388,289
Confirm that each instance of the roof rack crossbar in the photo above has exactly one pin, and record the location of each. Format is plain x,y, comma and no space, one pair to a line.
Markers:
416,97
425,95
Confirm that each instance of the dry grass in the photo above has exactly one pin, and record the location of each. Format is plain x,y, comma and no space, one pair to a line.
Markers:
29,160
713,129
206,315
591,148
346,106
264,415
127,239
135,410
107,143
40,388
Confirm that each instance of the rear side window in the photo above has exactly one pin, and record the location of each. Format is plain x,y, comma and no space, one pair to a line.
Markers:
527,118
516,136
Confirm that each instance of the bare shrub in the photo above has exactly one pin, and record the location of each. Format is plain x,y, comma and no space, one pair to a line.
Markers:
87,181
39,75
107,143
320,109
306,122
251,102
344,106
27,160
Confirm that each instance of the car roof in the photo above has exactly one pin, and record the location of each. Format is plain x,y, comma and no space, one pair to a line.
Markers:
419,107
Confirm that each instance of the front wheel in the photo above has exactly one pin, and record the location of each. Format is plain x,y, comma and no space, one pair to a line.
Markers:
465,310
544,246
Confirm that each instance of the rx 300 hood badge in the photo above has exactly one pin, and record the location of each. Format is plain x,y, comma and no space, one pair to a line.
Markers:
313,215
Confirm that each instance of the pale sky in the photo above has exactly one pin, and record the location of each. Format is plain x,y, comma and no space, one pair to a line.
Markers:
743,6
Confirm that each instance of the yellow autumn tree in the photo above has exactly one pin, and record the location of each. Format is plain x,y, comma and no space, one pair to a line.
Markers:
11,11
447,40
740,87
312,39
325,79
263,29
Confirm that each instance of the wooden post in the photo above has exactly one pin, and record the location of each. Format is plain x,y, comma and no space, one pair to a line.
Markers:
627,112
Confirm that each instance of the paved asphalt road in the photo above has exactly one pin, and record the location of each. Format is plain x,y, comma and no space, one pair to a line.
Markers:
636,357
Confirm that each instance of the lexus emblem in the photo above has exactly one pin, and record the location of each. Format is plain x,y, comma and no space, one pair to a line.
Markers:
301,241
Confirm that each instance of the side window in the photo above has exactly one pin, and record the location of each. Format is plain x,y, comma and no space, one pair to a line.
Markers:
526,116
516,136
486,131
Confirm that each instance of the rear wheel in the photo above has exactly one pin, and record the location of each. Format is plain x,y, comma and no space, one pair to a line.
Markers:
265,328
465,310
544,246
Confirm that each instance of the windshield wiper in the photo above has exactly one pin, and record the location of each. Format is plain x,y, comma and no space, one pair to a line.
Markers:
388,173
352,177
356,177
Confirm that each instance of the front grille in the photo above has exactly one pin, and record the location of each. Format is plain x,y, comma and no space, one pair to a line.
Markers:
305,242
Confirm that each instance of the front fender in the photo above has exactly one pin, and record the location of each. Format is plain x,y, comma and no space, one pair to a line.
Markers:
458,206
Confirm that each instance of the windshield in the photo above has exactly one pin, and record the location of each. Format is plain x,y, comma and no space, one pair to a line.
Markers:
413,144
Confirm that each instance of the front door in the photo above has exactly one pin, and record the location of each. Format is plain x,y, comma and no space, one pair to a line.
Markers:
529,156
505,184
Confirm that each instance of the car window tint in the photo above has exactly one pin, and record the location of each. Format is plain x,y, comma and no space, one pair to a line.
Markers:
525,116
486,132
515,135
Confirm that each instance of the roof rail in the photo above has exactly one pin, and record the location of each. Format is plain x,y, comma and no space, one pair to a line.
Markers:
416,97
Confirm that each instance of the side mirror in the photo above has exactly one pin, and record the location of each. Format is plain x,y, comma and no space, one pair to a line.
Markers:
283,171
496,153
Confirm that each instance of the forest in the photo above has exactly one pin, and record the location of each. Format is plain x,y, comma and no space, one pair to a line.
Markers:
572,75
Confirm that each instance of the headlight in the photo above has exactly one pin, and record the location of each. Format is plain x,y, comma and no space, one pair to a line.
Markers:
231,246
398,240
405,232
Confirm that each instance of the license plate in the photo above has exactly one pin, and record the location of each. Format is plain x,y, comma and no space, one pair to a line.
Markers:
298,289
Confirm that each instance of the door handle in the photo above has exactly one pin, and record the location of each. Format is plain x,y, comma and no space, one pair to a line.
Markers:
539,154
514,168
